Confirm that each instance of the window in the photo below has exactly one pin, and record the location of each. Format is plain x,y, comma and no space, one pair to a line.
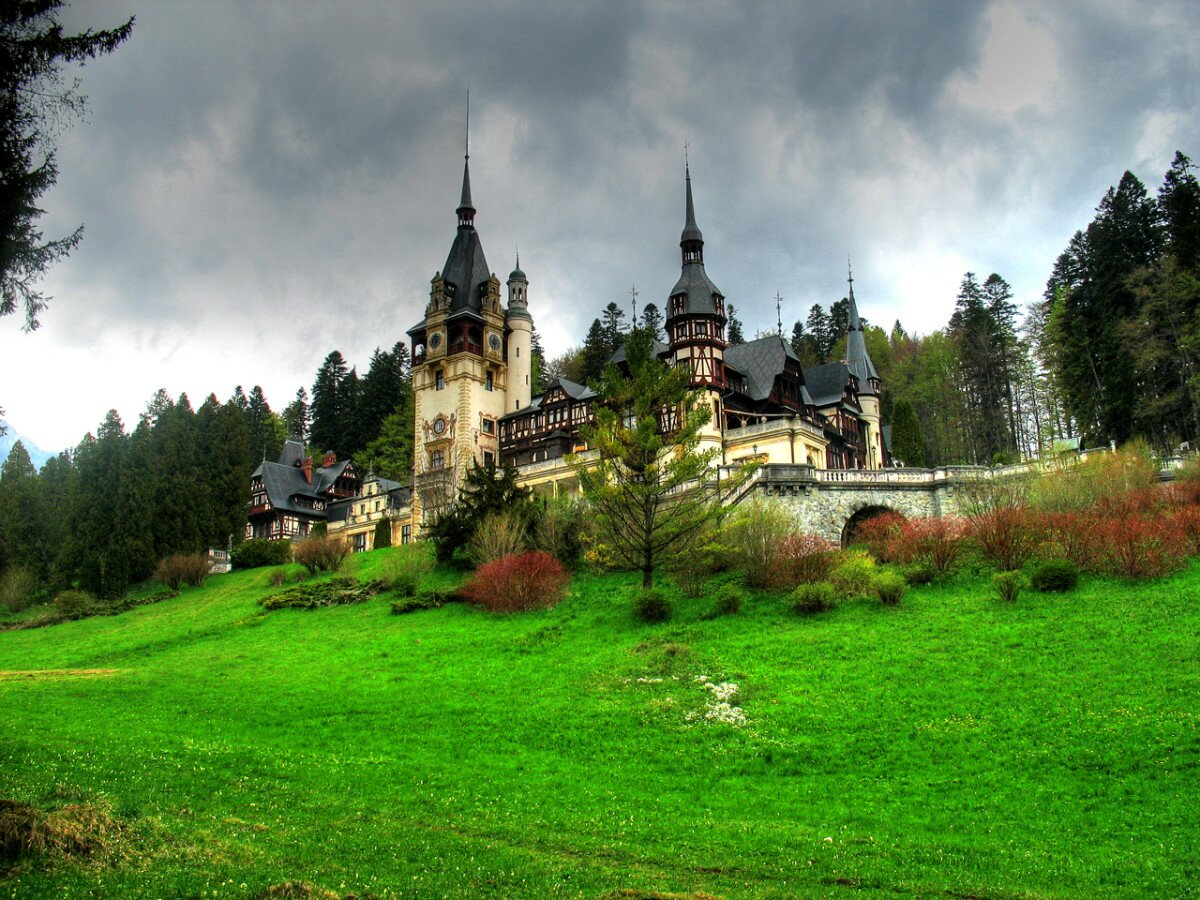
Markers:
489,426
439,379
376,506
406,534
360,543
489,459
489,384
437,459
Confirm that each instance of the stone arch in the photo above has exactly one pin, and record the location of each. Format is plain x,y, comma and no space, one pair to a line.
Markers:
864,512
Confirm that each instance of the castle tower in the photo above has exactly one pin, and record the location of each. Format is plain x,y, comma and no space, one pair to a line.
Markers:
695,320
520,341
858,361
459,367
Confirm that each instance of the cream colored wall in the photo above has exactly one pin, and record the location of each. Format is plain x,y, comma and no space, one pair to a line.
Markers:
872,419
520,364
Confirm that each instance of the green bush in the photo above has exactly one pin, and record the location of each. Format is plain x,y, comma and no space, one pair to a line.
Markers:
559,530
77,604
652,606
726,602
19,589
1055,575
919,573
853,575
418,602
319,553
383,533
405,567
819,596
336,592
890,586
1008,585
260,552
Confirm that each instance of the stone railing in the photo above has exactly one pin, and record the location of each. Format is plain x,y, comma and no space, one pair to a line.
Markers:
771,427
549,465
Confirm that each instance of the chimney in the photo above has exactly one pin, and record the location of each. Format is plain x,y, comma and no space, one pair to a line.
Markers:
329,459
306,465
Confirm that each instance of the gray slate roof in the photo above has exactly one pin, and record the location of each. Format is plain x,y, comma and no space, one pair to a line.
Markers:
659,349
570,388
760,361
695,283
857,358
827,383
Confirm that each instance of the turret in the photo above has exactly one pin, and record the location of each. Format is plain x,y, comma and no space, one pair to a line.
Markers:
519,325
858,361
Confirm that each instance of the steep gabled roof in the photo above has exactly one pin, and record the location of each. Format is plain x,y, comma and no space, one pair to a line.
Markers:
827,383
760,361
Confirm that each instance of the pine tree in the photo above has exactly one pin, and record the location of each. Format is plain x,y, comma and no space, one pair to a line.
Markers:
263,428
20,517
735,328
652,491
103,568
1179,205
224,440
613,325
907,445
821,329
596,353
385,388
296,417
537,363
652,320
329,414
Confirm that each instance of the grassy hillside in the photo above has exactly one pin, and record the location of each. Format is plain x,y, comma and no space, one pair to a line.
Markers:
952,746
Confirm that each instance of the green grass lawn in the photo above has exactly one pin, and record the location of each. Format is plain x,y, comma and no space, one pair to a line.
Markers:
953,746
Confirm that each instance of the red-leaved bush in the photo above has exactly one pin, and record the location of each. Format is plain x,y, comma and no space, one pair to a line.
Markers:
936,542
802,559
1185,522
878,533
1008,536
1071,535
1137,547
518,581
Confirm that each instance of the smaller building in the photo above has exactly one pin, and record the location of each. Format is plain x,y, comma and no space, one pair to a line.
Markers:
354,519
288,497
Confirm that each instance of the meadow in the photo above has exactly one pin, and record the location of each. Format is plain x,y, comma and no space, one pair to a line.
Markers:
952,746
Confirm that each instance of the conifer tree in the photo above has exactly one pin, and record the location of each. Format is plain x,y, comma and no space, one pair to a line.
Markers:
595,353
1179,205
330,412
652,320
20,519
735,328
821,329
296,417
613,324
907,445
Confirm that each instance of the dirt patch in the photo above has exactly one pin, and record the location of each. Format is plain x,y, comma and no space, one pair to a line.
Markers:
13,675
79,830
303,890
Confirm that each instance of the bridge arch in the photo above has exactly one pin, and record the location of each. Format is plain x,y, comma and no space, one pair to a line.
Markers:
865,513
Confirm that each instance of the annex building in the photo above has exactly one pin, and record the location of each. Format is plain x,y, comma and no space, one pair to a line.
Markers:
474,400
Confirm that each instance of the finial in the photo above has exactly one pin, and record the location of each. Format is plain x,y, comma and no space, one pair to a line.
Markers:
467,134
849,272
686,144
518,246
633,293
779,313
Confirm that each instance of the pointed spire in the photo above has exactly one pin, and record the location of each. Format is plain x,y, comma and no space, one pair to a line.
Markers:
855,321
466,209
691,231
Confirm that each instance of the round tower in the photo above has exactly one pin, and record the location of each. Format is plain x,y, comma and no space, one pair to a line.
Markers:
520,341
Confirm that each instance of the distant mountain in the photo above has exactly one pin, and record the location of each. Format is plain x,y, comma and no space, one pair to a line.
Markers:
11,436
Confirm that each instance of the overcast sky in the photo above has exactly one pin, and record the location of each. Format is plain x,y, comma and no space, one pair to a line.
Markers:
263,182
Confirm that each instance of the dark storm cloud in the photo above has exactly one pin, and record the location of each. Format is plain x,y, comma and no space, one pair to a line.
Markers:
289,171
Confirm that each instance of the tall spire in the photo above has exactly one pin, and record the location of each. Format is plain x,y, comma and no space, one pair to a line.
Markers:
466,209
855,321
858,360
691,241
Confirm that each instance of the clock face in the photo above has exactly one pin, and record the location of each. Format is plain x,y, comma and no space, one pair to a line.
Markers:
494,341
439,425
435,340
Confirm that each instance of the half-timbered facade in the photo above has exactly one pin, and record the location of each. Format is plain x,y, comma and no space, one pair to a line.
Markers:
288,497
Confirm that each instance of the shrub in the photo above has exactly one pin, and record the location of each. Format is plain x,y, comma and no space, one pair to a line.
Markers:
277,577
853,575
258,552
1185,520
1008,585
182,568
76,604
726,602
935,542
1008,536
877,534
891,587
1135,547
418,602
1187,480
1055,575
756,536
1102,478
319,553
919,573
814,598
1071,535
336,592
497,534
803,559
405,567
319,530
18,589
517,582
651,606
559,531
383,534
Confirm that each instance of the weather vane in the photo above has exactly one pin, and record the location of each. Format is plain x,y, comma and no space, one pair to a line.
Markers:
633,292
779,312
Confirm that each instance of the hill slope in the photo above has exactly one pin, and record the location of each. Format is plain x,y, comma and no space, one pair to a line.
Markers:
953,745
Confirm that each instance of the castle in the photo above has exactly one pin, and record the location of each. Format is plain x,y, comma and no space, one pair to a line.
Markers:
472,390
